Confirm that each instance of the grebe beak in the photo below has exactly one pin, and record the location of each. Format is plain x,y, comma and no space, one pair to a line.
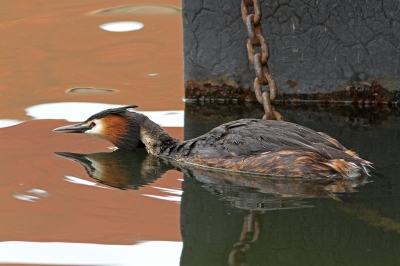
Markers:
71,156
80,158
76,128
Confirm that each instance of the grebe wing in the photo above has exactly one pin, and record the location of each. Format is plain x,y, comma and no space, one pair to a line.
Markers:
270,147
250,136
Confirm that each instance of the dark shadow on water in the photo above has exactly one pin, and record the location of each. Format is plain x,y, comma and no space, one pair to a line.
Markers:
202,117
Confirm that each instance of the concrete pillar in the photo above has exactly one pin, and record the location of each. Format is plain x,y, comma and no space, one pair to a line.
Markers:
320,50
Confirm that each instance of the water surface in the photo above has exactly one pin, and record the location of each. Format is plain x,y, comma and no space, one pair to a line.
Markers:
73,200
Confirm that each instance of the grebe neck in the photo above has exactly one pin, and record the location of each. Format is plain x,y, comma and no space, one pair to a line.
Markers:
157,140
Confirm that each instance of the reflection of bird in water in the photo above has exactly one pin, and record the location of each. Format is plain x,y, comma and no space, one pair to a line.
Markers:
132,170
125,170
251,193
246,145
257,193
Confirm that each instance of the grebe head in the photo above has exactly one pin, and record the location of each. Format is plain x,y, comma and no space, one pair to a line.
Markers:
118,125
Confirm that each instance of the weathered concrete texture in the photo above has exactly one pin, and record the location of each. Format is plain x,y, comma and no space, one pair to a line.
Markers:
317,47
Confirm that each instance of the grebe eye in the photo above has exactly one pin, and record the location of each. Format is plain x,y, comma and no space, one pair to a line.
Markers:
93,124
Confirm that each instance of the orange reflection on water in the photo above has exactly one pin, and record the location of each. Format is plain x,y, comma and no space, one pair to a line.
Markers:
71,212
50,47
47,48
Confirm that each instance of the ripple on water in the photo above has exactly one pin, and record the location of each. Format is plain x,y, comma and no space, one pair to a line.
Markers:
37,194
89,90
177,192
141,9
80,181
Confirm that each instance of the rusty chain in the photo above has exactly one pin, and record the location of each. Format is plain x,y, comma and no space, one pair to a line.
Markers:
260,61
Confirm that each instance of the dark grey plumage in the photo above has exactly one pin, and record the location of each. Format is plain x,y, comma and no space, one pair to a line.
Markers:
278,144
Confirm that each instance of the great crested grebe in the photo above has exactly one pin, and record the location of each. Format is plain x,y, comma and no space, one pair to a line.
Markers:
246,145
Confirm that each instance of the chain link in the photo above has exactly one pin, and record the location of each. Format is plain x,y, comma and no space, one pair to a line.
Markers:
260,61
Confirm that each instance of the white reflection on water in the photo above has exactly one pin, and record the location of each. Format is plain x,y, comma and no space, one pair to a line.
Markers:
80,181
61,253
25,197
9,122
167,197
37,192
122,26
80,111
